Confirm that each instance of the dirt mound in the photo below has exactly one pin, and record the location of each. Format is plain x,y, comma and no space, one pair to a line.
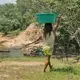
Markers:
31,34
3,38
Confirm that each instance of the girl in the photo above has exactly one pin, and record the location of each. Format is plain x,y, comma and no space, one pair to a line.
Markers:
49,38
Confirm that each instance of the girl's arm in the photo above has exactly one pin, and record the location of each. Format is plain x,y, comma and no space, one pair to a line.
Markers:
58,23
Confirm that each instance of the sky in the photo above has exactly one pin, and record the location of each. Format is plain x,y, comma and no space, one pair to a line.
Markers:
7,1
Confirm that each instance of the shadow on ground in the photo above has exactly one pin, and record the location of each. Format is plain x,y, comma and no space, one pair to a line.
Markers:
67,69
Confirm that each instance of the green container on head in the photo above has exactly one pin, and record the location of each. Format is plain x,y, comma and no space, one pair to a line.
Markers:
47,17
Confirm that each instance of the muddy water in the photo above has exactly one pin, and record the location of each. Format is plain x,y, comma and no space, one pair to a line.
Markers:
12,52
15,52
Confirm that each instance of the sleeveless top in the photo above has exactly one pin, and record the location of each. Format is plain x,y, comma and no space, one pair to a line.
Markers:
49,41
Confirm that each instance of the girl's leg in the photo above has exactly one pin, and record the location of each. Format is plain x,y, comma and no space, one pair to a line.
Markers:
50,66
47,63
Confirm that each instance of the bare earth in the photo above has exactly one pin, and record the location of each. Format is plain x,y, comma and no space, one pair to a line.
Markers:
21,63
25,37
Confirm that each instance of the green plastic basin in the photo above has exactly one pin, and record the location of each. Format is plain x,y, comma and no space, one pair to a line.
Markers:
47,17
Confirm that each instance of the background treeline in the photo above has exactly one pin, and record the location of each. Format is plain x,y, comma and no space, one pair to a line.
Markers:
16,17
19,15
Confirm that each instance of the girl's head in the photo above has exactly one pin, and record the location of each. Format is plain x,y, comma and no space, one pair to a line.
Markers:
47,29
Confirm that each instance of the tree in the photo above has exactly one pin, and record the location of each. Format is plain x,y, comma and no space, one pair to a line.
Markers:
9,18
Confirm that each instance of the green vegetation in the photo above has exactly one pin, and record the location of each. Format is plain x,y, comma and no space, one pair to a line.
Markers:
16,17
9,18
20,59
61,70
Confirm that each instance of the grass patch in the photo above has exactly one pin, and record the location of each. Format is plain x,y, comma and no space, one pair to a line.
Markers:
61,70
23,59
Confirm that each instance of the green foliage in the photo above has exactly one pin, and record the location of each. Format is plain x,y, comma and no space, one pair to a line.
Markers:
69,9
10,18
18,16
14,33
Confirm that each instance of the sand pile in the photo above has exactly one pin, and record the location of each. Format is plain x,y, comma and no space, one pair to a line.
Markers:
31,34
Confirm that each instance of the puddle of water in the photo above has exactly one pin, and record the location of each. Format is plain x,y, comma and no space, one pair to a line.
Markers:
16,53
12,53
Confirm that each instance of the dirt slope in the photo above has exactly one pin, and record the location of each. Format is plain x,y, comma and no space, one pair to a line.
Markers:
31,34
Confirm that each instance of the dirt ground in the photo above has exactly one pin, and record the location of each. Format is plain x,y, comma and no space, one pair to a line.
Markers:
27,36
4,63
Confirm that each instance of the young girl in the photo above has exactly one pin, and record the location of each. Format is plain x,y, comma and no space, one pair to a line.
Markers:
49,38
